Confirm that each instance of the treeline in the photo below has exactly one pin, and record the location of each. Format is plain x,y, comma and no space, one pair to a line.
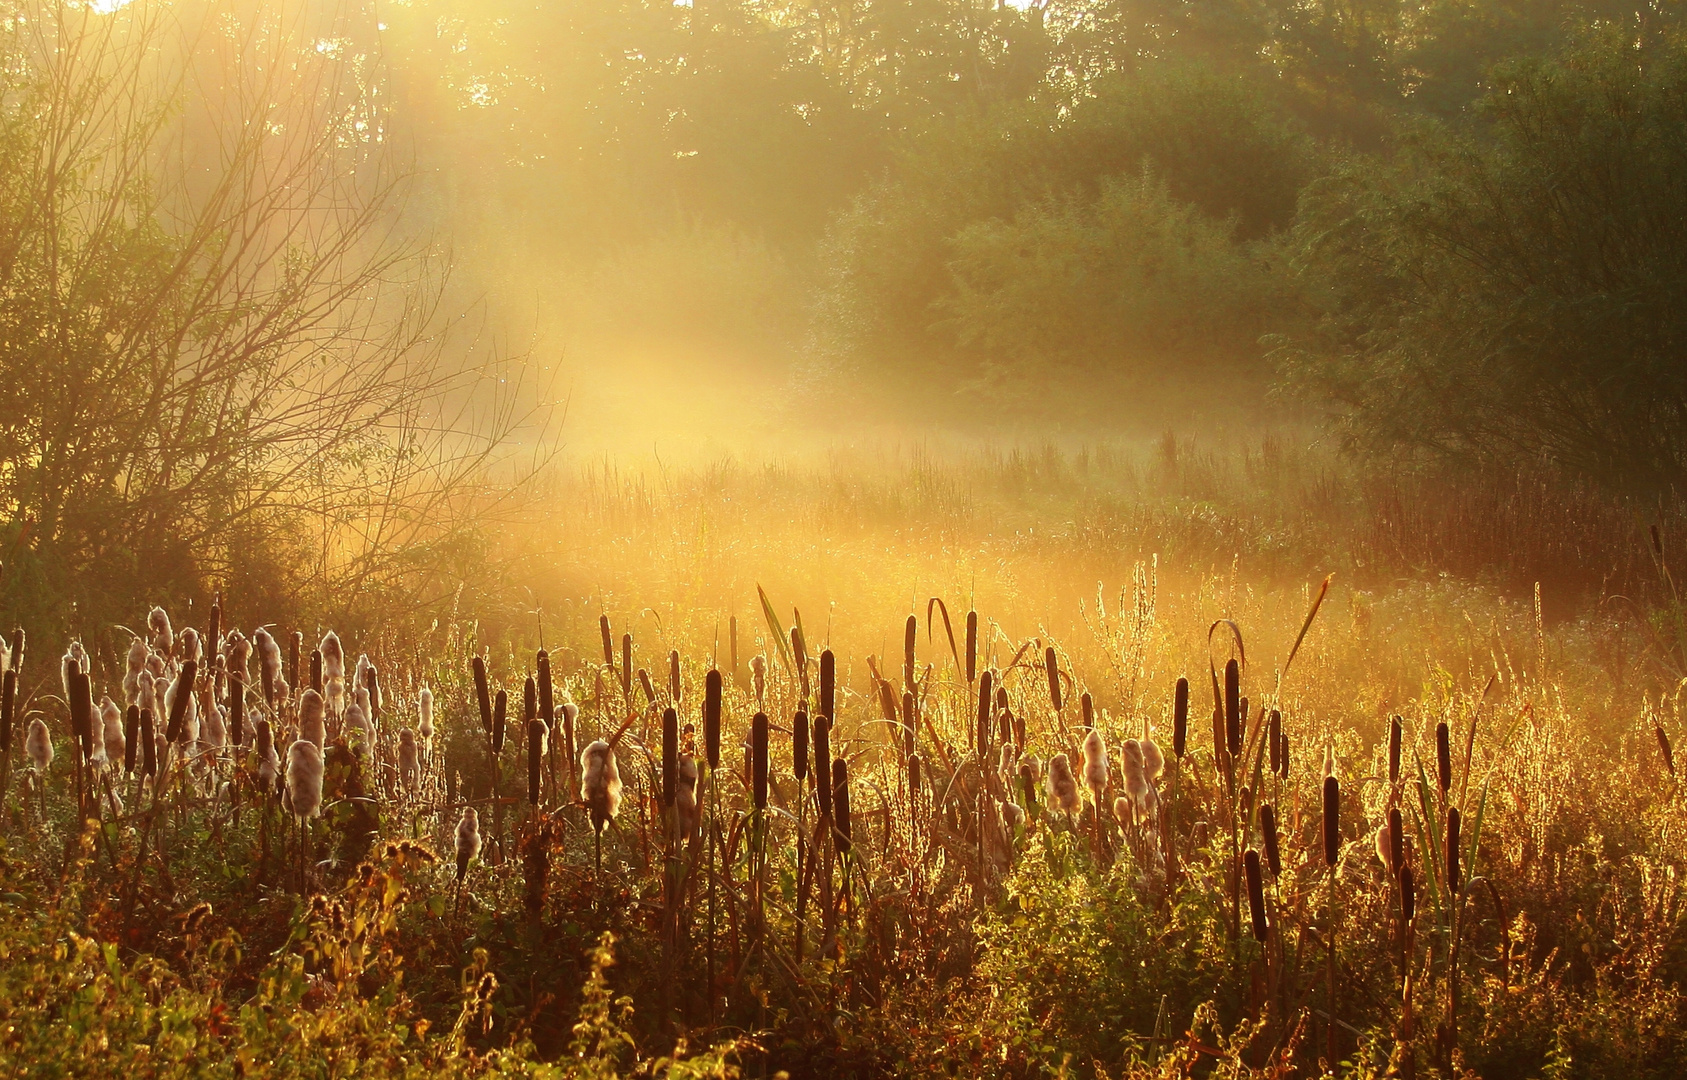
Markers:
1452,224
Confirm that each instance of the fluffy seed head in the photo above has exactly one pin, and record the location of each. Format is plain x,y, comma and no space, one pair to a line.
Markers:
409,759
1153,762
269,664
158,625
38,744
424,714
1062,788
359,734
1095,761
188,646
312,719
304,778
468,840
600,783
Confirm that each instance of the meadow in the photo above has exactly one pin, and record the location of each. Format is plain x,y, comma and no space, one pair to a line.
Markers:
1141,760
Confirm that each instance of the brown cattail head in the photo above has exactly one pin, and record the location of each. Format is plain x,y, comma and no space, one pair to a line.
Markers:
1180,718
1051,668
986,697
8,707
131,737
972,645
482,692
711,718
1664,746
799,745
82,709
1396,841
269,663
608,641
828,683
914,777
910,637
1274,741
1394,735
1408,898
535,757
1283,743
530,699
1332,820
840,804
316,670
180,694
1454,824
1086,707
670,755
758,760
1444,756
822,755
237,708
910,723
1256,893
500,710
1233,706
149,744
676,685
1268,830
214,624
647,686
627,664
547,691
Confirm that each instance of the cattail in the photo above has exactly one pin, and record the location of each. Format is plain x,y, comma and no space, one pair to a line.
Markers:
1385,847
1394,734
1453,825
1233,706
676,685
840,803
181,726
269,666
535,757
828,683
500,710
1332,820
822,755
910,637
358,732
799,745
1008,765
468,841
608,641
214,625
304,778
313,727
670,755
529,700
1268,829
1256,892
1668,751
1408,897
627,664
570,713
1153,761
600,783
1062,789
711,715
188,645
136,663
82,714
799,653
645,684
1444,756
409,759
547,692
38,744
148,739
985,698
111,742
972,646
237,708
333,671
15,653
758,760
75,659
482,694
685,798
1053,670
1086,707
1180,718
1004,715
1396,840
1274,741
1095,762
371,684
424,720
758,676
163,639
911,724
8,707
130,736
914,778
1135,773
1124,809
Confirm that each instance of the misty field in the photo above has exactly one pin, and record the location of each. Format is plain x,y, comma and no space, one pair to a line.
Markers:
864,538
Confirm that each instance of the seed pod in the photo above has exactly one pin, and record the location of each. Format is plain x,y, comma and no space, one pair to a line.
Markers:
237,707
1444,756
570,712
316,670
1274,741
627,664
1268,828
828,683
482,694
1408,897
1668,751
670,755
1394,734
1332,820
535,758
468,841
1453,827
676,685
1052,667
500,709
149,744
1396,840
547,692
910,636
1180,718
1256,893
647,686
1233,706
914,773
608,641
758,760
530,700
840,802
181,692
822,755
799,745
972,645
711,718
82,710
985,697
1285,745
8,707
131,736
